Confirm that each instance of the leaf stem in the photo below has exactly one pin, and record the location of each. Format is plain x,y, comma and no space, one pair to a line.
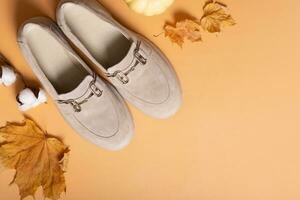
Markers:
159,34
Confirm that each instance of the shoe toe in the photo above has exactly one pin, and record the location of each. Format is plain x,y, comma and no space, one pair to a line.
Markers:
167,84
105,121
154,87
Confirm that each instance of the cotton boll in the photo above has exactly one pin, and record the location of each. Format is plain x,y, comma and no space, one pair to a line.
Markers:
27,97
8,76
42,98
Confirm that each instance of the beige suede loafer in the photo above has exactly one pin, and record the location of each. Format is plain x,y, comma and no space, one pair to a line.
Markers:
90,105
137,68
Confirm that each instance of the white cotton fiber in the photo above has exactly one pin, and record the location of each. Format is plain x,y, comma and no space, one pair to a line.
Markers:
26,96
42,98
8,76
28,99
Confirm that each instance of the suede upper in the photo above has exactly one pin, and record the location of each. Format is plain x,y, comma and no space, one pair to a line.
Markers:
144,76
93,108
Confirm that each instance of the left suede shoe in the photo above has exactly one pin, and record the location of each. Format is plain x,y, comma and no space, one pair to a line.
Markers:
135,66
89,104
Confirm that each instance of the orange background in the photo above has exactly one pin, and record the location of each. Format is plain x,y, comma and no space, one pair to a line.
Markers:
237,134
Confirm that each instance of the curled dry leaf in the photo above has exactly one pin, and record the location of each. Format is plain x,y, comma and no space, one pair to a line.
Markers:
37,158
215,17
186,29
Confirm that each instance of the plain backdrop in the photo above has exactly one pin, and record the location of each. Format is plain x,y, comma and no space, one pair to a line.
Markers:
237,134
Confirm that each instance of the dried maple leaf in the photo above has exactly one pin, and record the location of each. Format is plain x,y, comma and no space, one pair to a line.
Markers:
215,16
36,157
186,29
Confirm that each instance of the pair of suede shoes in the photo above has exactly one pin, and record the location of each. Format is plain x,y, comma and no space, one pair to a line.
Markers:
131,67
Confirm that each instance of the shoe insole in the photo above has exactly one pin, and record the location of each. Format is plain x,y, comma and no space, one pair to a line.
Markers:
62,70
106,44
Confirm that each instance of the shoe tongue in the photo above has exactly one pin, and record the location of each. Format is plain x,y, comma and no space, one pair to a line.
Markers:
123,64
79,91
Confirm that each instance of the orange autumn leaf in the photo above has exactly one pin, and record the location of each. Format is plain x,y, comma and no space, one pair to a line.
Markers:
186,29
37,158
215,17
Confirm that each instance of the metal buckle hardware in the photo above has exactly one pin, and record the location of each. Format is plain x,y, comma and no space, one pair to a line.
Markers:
95,89
122,75
77,104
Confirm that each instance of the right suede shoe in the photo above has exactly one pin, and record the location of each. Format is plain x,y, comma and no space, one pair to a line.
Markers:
134,65
90,105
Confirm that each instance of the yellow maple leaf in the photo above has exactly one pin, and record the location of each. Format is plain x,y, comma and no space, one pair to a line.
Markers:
185,29
215,16
37,158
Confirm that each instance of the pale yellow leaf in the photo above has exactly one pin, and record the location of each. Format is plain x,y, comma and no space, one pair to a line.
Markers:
215,17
